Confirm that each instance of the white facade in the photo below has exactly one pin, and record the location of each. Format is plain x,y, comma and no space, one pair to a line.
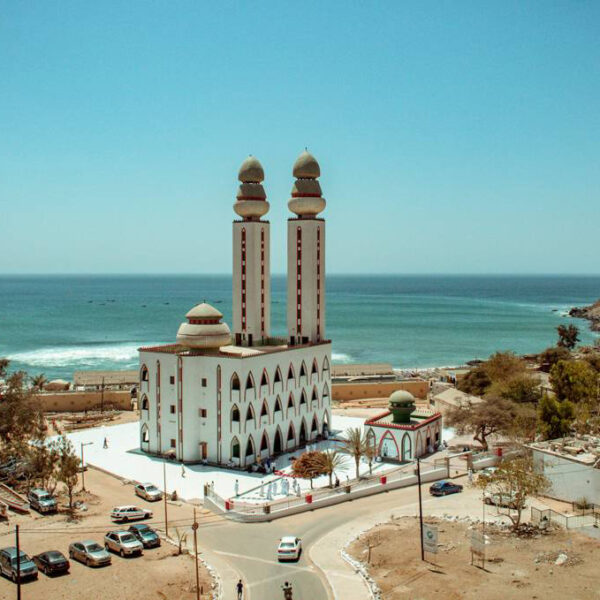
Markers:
200,406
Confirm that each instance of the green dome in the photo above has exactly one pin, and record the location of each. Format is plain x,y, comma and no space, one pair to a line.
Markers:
402,404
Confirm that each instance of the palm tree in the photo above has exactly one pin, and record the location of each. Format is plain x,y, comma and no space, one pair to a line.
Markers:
333,461
354,445
38,382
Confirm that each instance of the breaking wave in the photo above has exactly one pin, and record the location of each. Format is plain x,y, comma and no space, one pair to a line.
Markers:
341,358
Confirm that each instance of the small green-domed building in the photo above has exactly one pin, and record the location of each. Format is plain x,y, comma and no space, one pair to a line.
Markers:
404,432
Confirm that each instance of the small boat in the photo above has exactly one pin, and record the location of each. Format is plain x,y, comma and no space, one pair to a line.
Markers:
12,499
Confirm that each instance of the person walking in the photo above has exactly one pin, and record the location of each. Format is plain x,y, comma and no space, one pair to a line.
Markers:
240,590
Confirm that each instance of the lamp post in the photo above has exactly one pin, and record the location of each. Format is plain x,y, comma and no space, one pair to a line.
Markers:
83,465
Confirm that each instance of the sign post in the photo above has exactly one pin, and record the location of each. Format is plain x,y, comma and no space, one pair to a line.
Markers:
430,538
478,547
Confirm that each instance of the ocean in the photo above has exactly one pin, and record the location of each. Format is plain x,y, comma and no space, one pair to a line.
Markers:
59,324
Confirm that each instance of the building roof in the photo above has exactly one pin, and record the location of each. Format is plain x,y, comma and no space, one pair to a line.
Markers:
251,171
366,369
108,377
204,311
454,397
584,449
419,418
306,167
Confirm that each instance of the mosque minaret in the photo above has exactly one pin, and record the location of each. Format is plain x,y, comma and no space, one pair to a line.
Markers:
306,255
251,265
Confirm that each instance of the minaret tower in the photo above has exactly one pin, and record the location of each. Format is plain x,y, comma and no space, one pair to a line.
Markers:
251,266
306,255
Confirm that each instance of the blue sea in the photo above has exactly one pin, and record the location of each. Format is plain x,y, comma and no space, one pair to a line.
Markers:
59,324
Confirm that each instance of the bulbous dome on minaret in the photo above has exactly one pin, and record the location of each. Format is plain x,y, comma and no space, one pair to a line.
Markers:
251,198
203,329
306,200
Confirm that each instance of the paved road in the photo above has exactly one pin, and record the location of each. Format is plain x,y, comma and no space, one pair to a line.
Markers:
251,548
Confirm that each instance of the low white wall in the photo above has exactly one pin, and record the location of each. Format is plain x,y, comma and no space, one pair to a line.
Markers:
336,497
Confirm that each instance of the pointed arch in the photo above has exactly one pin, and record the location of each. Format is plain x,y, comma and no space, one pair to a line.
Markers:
303,373
302,437
388,447
325,425
145,434
264,381
278,442
419,445
277,380
291,436
302,399
291,376
234,388
315,396
325,367
314,371
325,393
144,373
250,449
406,447
235,414
145,404
291,404
314,427
371,438
264,443
250,386
278,408
250,414
235,448
264,412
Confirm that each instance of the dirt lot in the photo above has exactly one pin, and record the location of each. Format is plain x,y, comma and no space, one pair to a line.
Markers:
517,568
158,574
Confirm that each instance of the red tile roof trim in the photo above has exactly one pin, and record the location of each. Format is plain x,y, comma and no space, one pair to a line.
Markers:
373,422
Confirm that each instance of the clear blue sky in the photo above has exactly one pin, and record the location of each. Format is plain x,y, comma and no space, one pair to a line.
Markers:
453,137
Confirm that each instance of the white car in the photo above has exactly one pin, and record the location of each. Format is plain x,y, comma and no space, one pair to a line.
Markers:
148,491
129,513
506,500
289,548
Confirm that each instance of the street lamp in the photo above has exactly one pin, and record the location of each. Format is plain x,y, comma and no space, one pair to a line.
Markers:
83,465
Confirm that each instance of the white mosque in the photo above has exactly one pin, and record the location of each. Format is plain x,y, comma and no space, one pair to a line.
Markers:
237,398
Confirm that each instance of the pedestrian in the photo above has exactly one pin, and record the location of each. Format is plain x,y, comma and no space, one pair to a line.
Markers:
287,591
240,590
182,470
236,487
105,445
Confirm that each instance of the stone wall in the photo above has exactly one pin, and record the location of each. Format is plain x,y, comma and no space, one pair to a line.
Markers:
79,401
378,389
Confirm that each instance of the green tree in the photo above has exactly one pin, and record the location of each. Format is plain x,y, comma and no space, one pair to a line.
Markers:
493,415
550,356
517,479
574,380
504,366
522,389
332,461
354,445
568,336
38,382
67,466
475,382
555,417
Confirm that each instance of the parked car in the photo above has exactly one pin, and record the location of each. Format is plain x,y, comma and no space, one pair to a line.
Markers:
41,500
289,548
488,472
8,564
130,513
443,488
52,562
145,534
506,500
123,543
89,553
148,491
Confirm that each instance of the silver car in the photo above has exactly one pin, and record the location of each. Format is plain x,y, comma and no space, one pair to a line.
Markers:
129,513
148,491
123,543
89,553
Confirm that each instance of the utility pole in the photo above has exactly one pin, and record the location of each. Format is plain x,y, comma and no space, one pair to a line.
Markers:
83,465
420,508
165,498
195,529
18,564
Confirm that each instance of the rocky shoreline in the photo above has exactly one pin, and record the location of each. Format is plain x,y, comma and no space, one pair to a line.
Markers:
591,313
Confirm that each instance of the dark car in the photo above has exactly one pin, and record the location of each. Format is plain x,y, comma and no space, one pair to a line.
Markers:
145,534
52,562
442,488
8,565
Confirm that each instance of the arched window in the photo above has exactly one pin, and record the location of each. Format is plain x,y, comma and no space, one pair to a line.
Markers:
371,438
250,413
314,428
315,395
145,435
235,414
235,382
277,377
325,366
250,391
325,391
144,373
249,382
291,433
250,447
264,411
145,403
303,398
264,380
315,369
278,405
291,374
303,371
290,406
235,448
264,442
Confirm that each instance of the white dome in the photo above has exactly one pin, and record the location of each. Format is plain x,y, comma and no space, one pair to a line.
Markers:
204,328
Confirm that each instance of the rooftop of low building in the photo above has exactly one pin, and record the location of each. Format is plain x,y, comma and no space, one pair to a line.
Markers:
584,449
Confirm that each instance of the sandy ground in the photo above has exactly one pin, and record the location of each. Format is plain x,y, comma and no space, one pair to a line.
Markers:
156,575
517,568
